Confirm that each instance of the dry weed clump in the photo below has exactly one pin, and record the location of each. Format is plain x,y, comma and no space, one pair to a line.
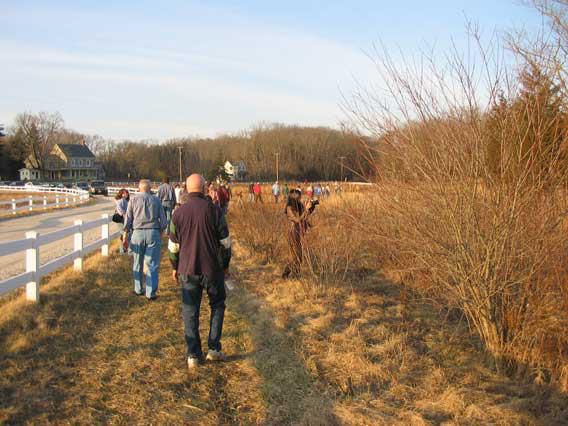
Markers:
261,228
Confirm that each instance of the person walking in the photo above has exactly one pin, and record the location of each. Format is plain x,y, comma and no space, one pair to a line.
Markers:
224,198
121,200
276,191
145,221
200,252
257,192
167,195
177,192
286,191
297,215
251,192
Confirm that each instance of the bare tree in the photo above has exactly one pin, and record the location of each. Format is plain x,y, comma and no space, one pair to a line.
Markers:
35,135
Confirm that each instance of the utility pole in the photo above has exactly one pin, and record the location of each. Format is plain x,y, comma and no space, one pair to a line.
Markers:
277,155
341,159
180,176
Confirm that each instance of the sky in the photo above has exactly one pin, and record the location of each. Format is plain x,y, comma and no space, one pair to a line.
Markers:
158,70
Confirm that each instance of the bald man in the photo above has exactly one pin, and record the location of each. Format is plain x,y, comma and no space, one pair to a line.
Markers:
200,252
145,220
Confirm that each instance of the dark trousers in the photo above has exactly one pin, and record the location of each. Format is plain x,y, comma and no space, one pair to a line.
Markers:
191,291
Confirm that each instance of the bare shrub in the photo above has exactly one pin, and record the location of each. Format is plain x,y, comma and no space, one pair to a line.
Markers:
472,171
261,227
330,250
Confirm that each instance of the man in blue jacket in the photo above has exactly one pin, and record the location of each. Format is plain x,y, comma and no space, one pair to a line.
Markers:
146,220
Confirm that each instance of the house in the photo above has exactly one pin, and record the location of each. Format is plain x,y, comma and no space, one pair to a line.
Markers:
65,162
29,174
236,171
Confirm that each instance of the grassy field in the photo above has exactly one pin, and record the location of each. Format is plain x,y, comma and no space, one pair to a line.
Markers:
355,351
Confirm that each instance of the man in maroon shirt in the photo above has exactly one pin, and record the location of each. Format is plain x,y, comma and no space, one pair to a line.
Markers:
200,252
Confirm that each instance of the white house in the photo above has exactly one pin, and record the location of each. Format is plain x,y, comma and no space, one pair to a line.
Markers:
29,174
236,171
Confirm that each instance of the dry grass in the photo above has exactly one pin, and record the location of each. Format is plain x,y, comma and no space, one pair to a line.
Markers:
382,356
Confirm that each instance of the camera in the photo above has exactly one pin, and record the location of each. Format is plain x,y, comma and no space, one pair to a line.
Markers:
315,202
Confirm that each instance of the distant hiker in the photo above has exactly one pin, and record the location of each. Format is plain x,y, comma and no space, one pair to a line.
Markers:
286,191
145,220
240,198
213,194
167,196
200,252
310,192
177,192
297,215
121,199
257,189
224,197
317,190
276,191
251,192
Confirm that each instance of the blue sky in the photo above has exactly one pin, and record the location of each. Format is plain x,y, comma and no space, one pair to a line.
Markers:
139,70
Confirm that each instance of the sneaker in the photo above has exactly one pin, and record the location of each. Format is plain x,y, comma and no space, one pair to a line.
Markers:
215,355
192,363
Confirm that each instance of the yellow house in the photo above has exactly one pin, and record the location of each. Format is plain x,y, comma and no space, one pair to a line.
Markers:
65,162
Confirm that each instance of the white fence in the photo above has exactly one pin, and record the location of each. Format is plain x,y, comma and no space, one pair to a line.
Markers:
113,190
32,245
63,198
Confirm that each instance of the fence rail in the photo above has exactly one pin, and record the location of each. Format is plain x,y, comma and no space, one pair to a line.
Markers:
63,198
113,190
32,245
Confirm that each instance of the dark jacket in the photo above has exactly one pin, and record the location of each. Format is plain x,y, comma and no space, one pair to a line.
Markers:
199,238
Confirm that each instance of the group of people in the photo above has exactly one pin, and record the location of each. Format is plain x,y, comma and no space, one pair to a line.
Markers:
278,191
193,215
199,248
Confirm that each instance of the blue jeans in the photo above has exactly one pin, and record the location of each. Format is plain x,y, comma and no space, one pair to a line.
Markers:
168,210
146,245
191,291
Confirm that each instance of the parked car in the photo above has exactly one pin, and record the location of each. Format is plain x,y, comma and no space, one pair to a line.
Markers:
98,187
82,185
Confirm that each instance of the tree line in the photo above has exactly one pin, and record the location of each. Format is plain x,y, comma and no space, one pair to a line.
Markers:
312,153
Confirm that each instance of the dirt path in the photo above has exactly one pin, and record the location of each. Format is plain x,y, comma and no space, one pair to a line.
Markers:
93,353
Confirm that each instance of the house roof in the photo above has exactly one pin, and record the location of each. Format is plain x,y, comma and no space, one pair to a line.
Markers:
76,150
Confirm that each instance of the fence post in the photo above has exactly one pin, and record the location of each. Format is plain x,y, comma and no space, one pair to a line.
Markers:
67,201
31,202
105,235
78,246
45,202
13,206
32,265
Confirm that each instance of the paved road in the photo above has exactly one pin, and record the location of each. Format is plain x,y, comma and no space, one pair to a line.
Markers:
15,229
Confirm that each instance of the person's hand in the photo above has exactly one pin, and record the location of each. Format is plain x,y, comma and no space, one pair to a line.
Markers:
174,275
309,204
